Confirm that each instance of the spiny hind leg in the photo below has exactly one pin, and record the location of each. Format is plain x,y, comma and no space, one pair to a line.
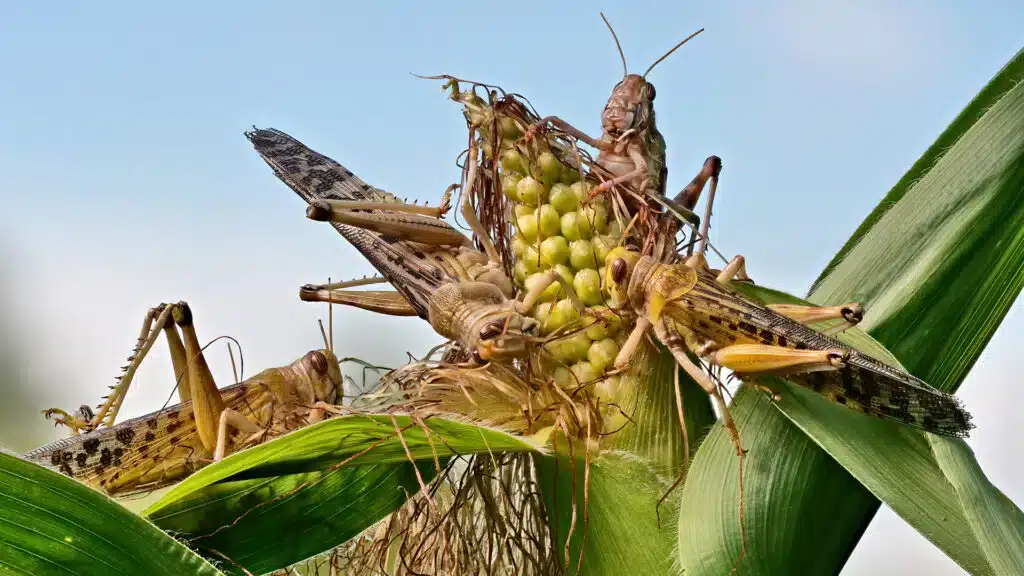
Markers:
157,319
689,195
764,359
325,209
388,302
404,221
851,313
748,360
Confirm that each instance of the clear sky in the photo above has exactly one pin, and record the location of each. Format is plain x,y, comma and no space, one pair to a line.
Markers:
126,181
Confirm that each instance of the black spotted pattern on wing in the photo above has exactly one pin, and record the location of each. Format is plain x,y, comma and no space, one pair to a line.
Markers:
115,458
314,176
726,316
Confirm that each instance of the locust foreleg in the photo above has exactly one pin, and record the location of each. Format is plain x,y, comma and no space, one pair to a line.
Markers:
677,347
638,172
535,292
569,129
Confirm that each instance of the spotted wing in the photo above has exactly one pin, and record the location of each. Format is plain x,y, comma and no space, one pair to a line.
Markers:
145,453
865,384
314,176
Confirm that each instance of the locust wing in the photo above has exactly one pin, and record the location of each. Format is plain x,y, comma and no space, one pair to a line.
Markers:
726,316
314,176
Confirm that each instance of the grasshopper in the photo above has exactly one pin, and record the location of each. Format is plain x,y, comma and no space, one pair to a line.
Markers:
632,149
163,447
692,310
438,274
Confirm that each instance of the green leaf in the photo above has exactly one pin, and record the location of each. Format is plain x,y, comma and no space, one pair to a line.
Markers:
615,515
937,266
297,496
50,524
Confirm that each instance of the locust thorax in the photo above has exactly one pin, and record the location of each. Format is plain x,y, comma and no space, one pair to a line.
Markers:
630,107
478,315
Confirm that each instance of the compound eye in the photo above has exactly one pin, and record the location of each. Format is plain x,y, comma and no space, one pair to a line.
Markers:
619,269
530,328
651,92
492,330
318,361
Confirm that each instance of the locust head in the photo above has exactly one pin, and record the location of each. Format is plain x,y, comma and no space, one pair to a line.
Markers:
501,335
629,108
482,319
619,266
320,376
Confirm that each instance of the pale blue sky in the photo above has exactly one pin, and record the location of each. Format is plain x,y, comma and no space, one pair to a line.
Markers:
126,180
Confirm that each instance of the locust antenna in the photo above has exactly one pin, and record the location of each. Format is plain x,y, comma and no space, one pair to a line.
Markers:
625,70
674,48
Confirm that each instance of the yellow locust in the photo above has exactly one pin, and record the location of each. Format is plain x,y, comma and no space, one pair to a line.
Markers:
690,309
158,449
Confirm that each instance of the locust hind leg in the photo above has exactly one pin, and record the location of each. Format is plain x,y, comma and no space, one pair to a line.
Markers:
388,302
689,195
764,359
768,360
851,313
403,221
158,318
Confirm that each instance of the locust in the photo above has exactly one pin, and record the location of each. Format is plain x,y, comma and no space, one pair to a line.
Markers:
692,310
158,449
632,150
437,272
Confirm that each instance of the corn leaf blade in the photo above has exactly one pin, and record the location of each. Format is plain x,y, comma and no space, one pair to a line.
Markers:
937,266
289,499
615,514
50,524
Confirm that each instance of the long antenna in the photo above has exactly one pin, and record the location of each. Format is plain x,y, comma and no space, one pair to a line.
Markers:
625,70
674,48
